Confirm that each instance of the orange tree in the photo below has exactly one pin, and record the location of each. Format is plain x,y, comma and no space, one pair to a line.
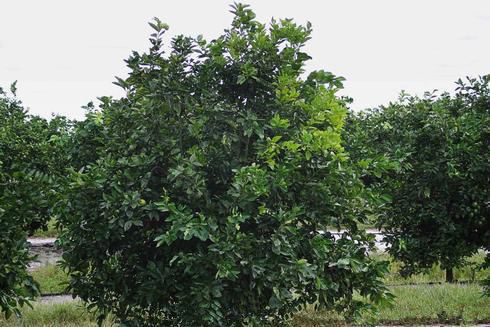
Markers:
85,141
440,149
214,181
31,155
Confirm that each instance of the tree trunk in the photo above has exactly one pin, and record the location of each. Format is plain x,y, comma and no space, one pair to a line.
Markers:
449,275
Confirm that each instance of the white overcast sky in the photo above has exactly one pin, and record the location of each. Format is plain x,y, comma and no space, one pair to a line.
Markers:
66,53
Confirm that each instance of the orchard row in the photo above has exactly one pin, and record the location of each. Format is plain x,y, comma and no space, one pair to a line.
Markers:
201,197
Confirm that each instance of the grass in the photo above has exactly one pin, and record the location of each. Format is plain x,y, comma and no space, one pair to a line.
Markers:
71,314
470,272
51,278
416,305
422,304
51,230
446,303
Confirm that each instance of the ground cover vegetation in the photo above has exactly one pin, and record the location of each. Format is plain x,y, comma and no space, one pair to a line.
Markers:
435,154
415,305
72,314
50,230
51,278
416,302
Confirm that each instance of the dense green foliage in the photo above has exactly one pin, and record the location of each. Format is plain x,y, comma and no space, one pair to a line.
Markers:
31,156
210,184
86,140
16,286
30,152
440,187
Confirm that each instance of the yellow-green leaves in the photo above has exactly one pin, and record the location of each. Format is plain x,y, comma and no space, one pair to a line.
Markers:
318,141
326,108
287,88
278,122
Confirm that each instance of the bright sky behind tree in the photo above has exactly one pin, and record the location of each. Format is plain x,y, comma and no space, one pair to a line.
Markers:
66,53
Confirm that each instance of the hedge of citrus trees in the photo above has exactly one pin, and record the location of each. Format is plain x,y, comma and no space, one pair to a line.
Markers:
204,196
31,151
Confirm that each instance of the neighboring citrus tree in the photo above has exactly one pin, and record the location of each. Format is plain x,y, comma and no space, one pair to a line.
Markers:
30,152
440,147
214,181
86,139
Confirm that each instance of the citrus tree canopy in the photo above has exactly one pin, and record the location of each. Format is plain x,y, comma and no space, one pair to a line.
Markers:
214,183
440,146
31,153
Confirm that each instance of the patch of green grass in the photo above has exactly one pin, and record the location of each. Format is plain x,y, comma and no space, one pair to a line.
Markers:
446,303
71,314
415,305
51,230
470,272
51,278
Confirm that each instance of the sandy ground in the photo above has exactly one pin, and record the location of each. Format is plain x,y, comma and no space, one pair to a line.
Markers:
45,250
